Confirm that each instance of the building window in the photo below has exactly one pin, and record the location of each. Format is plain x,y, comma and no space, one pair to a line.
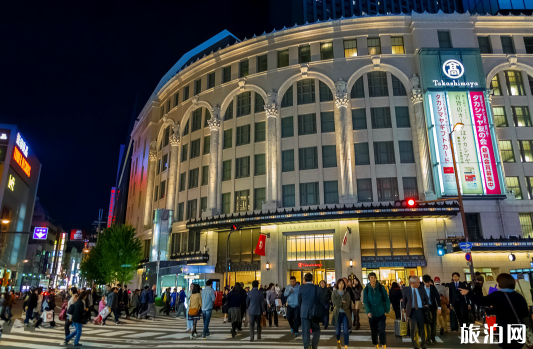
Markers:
525,151
262,63
528,43
226,203
259,198
156,193
530,80
226,74
526,223
331,192
176,246
305,91
228,142
495,86
306,124
158,167
162,189
288,195
384,153
283,58
197,86
484,44
329,156
402,117
244,102
521,116
184,152
207,144
397,45
185,93
259,103
183,179
507,44
242,200
260,131
191,209
176,99
193,178
229,112
506,151
515,85
326,50
374,46
304,54
406,152
308,158
186,128
473,226
210,80
361,154
325,93
243,69
287,101
166,136
226,170
195,148
387,189
181,205
287,160
287,127
513,185
500,119
259,164
243,135
203,205
350,48
410,188
309,194
164,163
196,120
358,89
205,174
242,167
445,40
380,117
327,122
364,190
359,119
377,84
397,87
311,247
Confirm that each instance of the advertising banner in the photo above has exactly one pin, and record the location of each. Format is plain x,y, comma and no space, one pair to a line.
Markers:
76,235
484,142
442,142
465,144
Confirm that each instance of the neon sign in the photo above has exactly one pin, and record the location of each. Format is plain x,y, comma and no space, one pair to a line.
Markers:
304,265
11,183
111,207
3,136
22,145
21,160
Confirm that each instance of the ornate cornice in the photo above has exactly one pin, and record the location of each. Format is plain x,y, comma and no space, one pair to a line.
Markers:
417,96
214,123
271,110
341,99
174,140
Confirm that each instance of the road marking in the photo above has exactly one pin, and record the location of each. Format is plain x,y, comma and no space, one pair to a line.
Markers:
265,336
146,334
361,338
114,333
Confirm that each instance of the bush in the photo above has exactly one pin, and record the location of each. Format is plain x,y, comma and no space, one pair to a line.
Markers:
159,302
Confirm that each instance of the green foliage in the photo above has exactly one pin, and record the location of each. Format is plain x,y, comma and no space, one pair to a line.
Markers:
90,266
159,302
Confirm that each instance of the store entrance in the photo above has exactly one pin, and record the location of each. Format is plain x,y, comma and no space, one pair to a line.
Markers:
320,274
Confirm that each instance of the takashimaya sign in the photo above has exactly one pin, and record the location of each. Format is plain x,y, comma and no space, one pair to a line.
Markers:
454,70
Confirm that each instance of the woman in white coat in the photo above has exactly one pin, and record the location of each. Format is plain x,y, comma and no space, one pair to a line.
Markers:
187,303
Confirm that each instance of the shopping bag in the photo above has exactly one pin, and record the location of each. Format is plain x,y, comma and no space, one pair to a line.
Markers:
105,312
491,320
263,321
98,320
47,316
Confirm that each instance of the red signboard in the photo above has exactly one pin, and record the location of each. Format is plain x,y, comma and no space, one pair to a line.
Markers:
111,207
484,142
304,265
76,235
21,160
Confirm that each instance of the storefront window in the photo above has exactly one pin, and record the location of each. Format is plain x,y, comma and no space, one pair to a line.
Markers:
310,247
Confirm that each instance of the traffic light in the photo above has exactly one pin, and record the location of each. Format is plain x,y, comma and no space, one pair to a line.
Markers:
441,250
235,227
411,202
408,202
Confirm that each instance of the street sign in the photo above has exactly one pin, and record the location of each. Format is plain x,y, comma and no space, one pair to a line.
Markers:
126,265
465,245
468,257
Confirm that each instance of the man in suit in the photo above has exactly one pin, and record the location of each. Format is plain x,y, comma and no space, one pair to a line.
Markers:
434,307
307,297
458,302
413,301
255,302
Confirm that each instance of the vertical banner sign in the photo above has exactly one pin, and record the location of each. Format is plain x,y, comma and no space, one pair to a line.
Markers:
442,130
484,142
465,144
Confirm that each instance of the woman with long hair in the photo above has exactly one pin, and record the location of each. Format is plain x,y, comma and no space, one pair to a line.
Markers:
395,296
225,304
357,288
195,308
342,313
235,301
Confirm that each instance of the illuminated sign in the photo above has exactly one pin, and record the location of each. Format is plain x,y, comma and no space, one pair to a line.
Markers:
304,265
11,183
21,160
453,69
40,233
76,234
22,144
3,136
111,207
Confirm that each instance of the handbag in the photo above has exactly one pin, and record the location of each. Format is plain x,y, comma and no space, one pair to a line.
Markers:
194,311
427,315
529,334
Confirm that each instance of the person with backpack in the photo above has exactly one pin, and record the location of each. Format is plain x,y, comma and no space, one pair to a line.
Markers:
377,305
77,314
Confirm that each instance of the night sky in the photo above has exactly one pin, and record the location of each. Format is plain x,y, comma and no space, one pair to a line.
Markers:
70,73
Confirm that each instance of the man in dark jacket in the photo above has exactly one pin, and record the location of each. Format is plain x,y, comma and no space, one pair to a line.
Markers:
112,303
151,304
52,306
125,301
458,302
307,299
434,307
77,319
144,299
255,302
119,293
181,303
32,303
414,300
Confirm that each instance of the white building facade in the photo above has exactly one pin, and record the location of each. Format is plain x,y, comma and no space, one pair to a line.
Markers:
312,133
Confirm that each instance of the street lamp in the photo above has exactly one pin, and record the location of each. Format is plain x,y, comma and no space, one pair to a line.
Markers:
458,127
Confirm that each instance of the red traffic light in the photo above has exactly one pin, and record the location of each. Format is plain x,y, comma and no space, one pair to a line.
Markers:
411,202
235,227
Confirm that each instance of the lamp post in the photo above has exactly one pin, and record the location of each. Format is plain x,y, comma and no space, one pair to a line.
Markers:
457,127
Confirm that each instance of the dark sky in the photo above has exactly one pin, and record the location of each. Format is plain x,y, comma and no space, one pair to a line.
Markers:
69,74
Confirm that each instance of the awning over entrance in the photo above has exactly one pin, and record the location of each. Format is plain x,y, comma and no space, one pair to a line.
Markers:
292,216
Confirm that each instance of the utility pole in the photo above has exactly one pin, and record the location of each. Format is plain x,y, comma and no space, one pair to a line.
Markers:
99,222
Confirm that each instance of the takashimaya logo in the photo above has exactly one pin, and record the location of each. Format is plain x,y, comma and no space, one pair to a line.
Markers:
453,69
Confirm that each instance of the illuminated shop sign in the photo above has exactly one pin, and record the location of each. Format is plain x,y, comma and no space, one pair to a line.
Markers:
111,207
40,233
305,265
454,69
11,183
21,160
22,145
3,136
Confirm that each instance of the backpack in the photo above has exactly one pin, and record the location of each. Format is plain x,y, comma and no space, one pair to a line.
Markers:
63,313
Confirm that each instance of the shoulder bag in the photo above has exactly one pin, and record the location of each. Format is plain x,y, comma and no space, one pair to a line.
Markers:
529,334
317,310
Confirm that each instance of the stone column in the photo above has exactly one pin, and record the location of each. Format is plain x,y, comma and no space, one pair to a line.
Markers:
212,195
152,157
172,174
272,112
417,99
345,144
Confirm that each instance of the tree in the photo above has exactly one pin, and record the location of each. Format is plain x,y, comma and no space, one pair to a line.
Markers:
90,267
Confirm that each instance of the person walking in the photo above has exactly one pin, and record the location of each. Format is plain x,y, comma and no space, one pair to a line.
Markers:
151,303
144,300
73,299
293,310
458,303
255,304
434,307
125,301
325,293
52,306
414,301
112,302
208,299
377,305
225,304
77,320
523,287
166,298
311,310
395,296
243,307
271,305
181,303
340,298
195,309
173,298
30,306
357,289
235,301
